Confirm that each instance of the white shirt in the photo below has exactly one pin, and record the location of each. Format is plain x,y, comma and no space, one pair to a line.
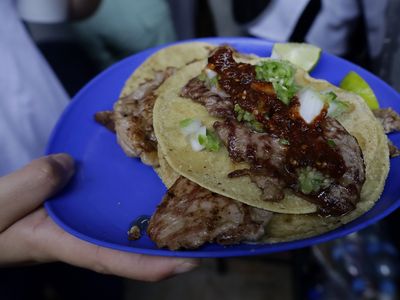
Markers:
332,27
31,98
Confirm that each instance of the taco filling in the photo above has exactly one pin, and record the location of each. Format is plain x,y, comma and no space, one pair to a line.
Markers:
191,215
255,154
289,139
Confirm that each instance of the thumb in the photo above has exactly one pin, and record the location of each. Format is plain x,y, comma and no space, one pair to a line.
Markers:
24,190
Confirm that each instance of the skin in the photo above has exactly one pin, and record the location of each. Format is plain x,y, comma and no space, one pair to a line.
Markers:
29,236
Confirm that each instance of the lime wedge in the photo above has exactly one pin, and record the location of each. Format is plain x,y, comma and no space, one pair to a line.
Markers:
302,55
353,82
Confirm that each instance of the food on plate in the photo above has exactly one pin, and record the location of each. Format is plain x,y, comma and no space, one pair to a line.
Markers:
249,148
353,82
303,55
132,114
191,215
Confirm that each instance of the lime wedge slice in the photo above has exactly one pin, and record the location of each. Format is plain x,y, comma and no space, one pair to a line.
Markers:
353,82
302,55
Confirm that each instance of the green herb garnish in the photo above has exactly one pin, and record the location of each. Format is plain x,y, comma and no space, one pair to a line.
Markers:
281,75
209,82
331,143
247,117
210,141
202,76
336,106
185,123
311,180
284,142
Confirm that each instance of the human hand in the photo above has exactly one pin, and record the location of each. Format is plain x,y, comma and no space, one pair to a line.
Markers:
28,235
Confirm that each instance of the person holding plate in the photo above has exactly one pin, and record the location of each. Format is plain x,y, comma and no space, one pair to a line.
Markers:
32,100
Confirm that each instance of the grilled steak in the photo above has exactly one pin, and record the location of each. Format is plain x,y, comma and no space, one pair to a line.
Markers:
393,150
262,149
320,161
215,101
343,193
190,216
106,118
390,121
133,115
254,148
389,118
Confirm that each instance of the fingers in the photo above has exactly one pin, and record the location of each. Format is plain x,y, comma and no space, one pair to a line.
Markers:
134,266
28,235
74,251
36,238
24,190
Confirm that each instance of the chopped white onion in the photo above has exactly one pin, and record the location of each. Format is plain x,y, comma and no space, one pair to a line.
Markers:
194,139
210,73
311,104
332,108
275,55
191,128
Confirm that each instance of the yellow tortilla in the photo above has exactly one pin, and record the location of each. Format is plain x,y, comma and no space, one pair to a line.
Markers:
210,169
175,56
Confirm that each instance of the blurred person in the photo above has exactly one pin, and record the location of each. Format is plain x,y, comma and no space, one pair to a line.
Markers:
354,29
122,27
31,100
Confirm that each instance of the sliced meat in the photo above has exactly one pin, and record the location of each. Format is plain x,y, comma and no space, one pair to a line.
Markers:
134,119
257,149
389,118
271,186
106,118
215,101
343,194
267,157
393,150
320,160
246,145
190,216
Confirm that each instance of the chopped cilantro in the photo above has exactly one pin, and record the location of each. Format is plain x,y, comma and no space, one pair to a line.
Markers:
311,180
202,76
281,74
210,141
185,123
331,143
243,115
210,82
336,106
256,126
330,96
284,142
214,81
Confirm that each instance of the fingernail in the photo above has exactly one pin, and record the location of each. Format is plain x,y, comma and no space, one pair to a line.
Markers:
65,161
186,266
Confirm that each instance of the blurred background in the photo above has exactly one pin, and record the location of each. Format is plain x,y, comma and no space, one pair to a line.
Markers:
364,265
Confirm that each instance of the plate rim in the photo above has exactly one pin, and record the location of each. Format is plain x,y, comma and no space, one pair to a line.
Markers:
219,253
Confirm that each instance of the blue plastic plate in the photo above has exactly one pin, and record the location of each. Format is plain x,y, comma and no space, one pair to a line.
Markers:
110,190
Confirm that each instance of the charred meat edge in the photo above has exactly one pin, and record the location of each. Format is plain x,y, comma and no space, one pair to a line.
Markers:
190,216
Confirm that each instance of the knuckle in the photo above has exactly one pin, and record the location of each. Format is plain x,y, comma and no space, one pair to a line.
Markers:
49,173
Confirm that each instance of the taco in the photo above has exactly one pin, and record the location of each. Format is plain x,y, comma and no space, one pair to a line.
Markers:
227,192
346,143
132,116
